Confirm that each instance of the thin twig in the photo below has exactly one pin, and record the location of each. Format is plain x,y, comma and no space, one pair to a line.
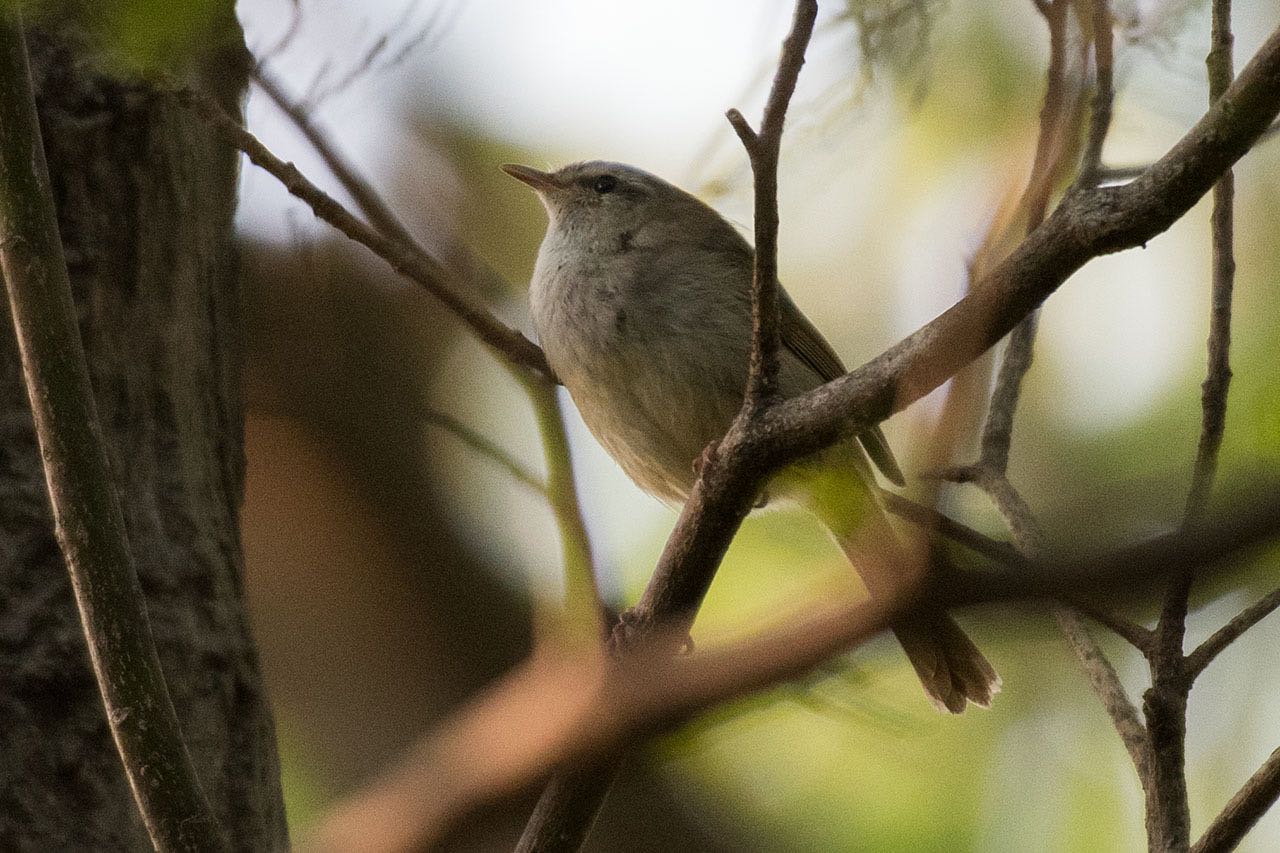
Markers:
1218,374
587,620
1103,37
762,150
405,259
1106,684
1245,809
89,522
990,472
371,204
1120,174
947,527
1218,641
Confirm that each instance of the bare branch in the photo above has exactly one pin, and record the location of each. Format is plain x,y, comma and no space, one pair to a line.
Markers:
1106,684
89,523
1244,810
1103,37
1088,223
1168,811
947,527
406,259
569,804
1119,174
1218,641
1218,375
763,149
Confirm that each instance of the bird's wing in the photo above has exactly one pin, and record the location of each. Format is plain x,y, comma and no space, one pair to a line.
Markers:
807,344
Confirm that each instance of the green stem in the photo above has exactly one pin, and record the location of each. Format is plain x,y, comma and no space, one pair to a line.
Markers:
584,614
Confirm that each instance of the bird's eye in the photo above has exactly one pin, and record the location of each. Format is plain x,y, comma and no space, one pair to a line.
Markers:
605,184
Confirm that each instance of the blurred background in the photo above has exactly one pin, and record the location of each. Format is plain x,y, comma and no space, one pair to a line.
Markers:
392,571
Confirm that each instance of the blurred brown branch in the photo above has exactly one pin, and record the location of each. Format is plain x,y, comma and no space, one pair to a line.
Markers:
559,711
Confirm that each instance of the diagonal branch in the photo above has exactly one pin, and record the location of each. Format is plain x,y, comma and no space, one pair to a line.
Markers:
404,258
587,711
89,523
1244,810
1218,641
583,601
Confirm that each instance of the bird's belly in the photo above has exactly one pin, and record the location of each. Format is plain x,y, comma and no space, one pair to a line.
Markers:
654,413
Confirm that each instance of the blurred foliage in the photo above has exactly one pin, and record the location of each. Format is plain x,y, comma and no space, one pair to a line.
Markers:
852,757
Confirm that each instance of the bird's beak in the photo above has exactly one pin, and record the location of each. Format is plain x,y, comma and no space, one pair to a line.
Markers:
540,181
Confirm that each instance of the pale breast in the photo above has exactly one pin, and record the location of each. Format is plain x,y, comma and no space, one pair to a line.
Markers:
654,380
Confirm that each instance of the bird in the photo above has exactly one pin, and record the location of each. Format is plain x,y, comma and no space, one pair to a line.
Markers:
641,297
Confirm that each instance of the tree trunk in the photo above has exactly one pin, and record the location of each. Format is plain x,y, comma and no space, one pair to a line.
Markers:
145,205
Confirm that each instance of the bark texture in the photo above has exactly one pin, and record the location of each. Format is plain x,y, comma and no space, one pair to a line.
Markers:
145,205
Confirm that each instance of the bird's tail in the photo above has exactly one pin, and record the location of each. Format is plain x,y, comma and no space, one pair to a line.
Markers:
950,667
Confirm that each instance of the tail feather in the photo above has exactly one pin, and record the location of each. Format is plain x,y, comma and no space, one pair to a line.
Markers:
949,665
947,662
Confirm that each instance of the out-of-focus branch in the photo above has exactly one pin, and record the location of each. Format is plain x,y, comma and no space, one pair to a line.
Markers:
404,258
485,446
582,597
1102,37
587,621
567,711
990,472
948,528
89,523
1119,174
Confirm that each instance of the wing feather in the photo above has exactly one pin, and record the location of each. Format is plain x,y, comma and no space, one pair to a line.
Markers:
806,343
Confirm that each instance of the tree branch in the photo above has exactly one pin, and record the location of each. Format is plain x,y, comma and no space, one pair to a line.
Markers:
485,446
1218,641
405,258
762,150
1088,223
1168,808
1244,810
583,604
88,520
587,622
1106,684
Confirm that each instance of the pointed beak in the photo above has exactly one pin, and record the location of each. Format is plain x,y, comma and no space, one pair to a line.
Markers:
540,181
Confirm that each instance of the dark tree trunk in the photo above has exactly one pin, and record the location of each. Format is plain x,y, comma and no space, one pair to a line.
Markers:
145,202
